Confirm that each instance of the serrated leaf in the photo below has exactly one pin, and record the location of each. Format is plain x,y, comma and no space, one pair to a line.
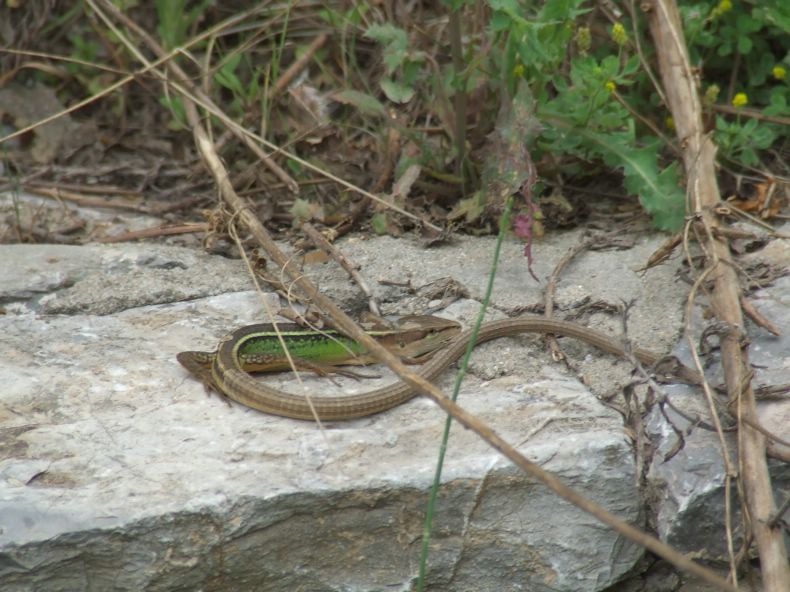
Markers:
667,206
658,191
395,42
386,34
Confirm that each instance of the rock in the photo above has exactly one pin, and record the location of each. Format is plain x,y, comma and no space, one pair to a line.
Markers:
119,472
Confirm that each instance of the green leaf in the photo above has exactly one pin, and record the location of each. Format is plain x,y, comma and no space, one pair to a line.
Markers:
748,157
775,12
559,10
778,102
500,21
763,137
659,191
226,76
386,34
395,42
379,223
396,92
744,45
294,166
364,102
172,24
176,106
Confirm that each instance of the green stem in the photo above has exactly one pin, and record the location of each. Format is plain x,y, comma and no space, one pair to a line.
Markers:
426,535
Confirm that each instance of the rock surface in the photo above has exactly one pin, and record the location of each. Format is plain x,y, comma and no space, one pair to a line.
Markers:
119,472
686,475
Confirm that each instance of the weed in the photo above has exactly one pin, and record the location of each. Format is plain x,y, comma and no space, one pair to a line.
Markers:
595,100
587,71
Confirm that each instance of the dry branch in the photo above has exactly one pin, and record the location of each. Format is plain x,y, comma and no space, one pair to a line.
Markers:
680,86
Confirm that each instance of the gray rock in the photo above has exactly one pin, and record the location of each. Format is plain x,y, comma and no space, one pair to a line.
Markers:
119,472
686,475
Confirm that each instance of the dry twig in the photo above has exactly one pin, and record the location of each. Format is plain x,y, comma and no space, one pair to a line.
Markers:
352,269
698,156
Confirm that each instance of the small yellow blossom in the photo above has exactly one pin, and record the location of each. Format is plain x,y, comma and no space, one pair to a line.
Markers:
518,71
670,121
619,36
610,86
779,72
721,8
583,39
740,100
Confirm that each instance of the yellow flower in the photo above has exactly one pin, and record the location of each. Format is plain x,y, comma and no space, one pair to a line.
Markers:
610,86
779,72
619,36
518,71
740,100
721,8
670,123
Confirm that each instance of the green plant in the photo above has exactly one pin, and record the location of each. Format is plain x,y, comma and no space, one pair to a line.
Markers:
741,141
599,108
582,99
176,20
345,23
401,63
242,80
745,48
87,50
